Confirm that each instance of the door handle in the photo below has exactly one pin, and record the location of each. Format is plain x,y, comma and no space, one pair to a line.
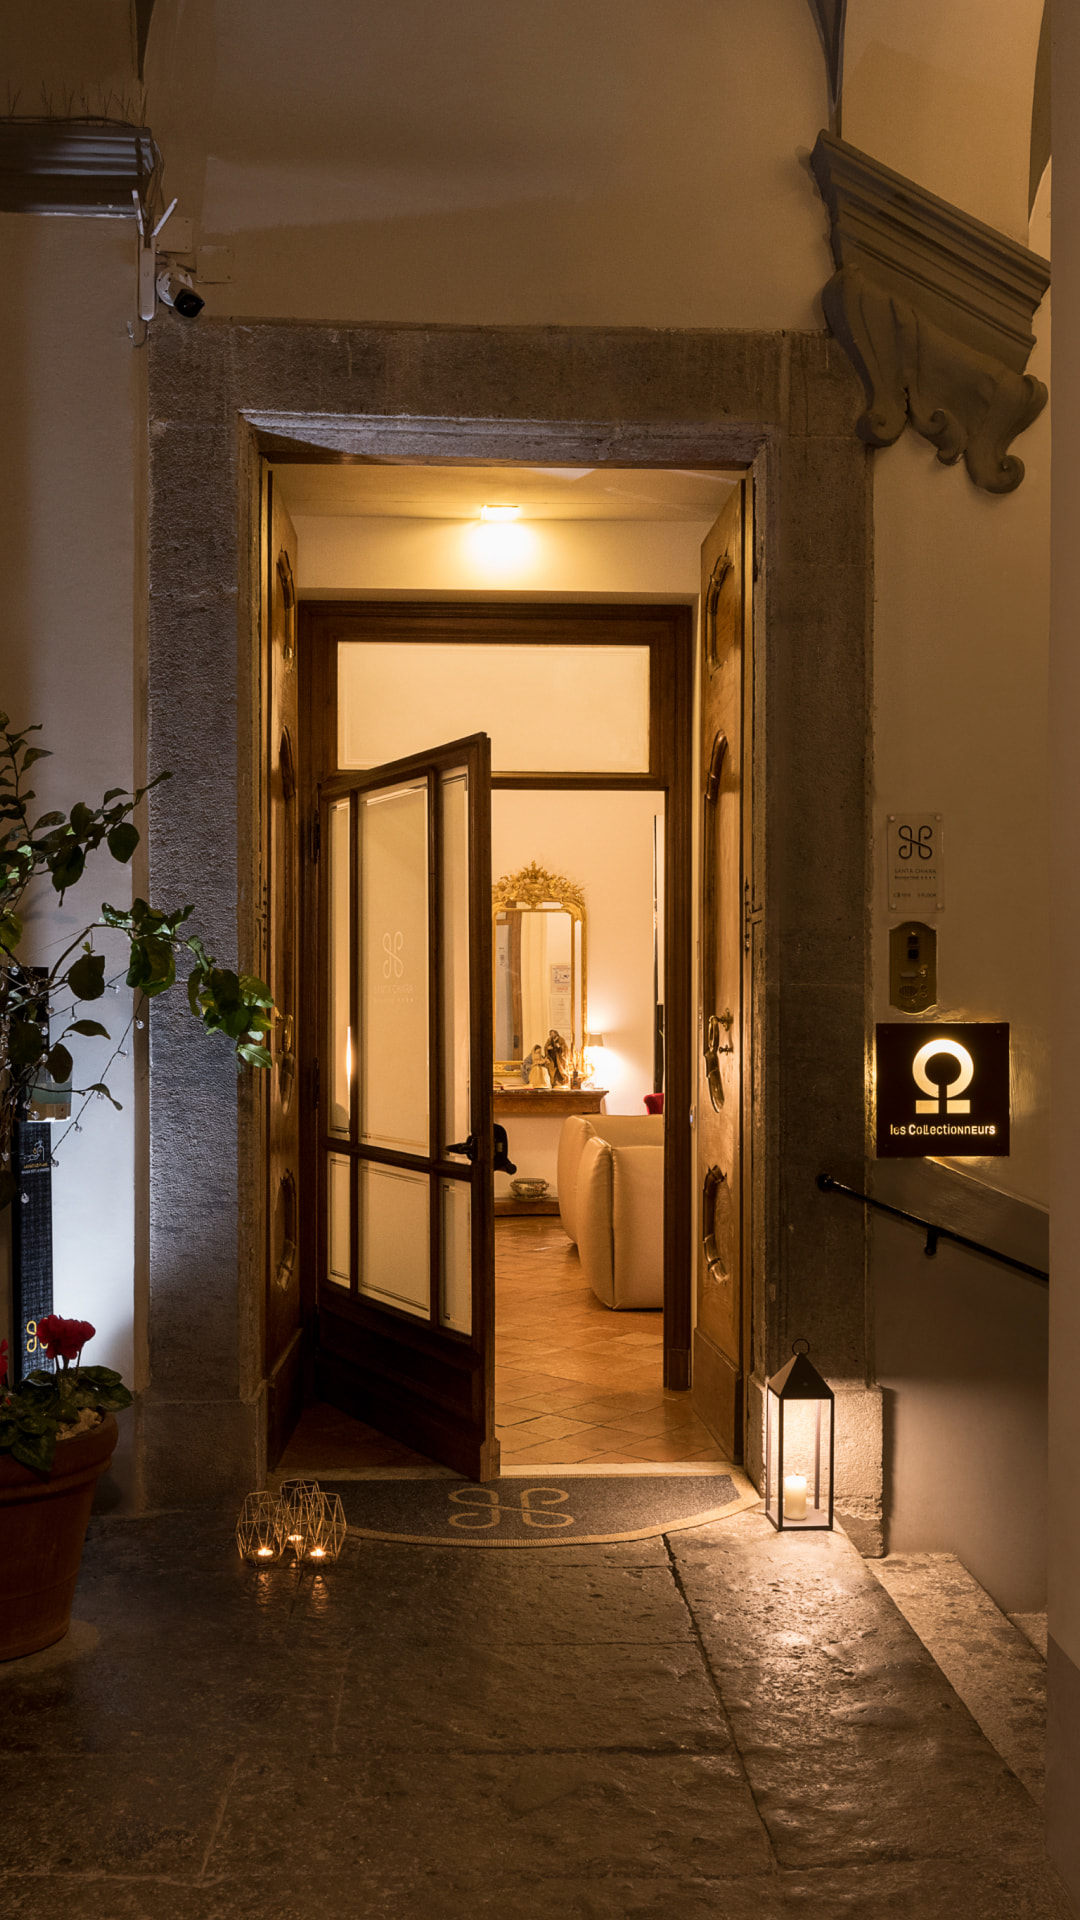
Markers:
713,1050
470,1148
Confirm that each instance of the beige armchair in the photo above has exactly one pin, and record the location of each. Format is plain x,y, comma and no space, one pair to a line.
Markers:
611,1202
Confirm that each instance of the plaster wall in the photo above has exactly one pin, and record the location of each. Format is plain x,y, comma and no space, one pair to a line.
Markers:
1063,1747
498,161
943,94
70,391
961,635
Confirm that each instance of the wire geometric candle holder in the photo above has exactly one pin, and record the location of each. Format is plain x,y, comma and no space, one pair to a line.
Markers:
327,1529
300,1518
258,1530
299,1504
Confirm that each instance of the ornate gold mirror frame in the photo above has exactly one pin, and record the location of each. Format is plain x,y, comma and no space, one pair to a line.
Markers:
534,890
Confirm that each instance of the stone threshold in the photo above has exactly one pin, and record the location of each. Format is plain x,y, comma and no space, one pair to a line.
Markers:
992,1661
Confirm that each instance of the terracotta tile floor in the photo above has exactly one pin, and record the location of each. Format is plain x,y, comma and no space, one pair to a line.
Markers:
574,1381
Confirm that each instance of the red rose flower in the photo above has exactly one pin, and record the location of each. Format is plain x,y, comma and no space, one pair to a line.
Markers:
64,1339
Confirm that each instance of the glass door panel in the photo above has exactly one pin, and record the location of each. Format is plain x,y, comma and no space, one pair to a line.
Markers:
394,1218
339,1234
455,1294
340,948
393,877
454,958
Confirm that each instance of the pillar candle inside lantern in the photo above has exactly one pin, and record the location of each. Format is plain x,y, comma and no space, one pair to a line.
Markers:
795,1496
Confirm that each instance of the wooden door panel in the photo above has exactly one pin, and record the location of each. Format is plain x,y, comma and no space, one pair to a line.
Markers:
719,1360
282,1320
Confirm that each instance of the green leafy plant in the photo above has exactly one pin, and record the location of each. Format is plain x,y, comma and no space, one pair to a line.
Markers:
41,1007
45,1407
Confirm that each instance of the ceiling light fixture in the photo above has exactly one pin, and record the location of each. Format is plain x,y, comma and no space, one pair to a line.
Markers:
493,511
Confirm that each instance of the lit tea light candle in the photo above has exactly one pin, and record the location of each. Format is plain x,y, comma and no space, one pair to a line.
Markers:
794,1496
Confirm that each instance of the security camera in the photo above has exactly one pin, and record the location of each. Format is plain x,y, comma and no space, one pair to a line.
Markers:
176,288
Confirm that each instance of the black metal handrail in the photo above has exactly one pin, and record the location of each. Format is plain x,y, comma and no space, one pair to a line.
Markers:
933,1234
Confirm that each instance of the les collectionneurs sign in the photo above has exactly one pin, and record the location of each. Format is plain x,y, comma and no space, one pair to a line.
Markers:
942,1089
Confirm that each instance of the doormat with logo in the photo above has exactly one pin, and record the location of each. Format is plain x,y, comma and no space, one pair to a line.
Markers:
550,1511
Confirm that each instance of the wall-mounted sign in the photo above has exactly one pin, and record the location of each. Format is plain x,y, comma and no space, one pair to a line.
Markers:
942,1089
916,863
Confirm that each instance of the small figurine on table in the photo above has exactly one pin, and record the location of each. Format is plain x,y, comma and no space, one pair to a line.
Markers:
556,1054
538,1069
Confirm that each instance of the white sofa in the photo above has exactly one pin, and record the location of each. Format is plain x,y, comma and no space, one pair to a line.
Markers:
611,1203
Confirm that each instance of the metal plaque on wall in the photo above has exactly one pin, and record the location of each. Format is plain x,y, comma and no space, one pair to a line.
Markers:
942,1089
916,863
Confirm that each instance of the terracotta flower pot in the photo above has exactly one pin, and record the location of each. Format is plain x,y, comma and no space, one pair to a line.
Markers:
42,1529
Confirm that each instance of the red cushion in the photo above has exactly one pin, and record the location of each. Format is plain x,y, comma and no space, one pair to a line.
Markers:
654,1102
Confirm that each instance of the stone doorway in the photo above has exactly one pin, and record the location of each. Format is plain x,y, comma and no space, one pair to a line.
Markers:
782,406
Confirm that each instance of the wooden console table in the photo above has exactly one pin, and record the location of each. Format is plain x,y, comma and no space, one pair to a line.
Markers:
544,1103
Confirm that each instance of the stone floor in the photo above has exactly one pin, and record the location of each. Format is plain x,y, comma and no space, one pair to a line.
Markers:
724,1725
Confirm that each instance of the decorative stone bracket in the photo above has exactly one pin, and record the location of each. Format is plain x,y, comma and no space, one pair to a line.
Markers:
934,311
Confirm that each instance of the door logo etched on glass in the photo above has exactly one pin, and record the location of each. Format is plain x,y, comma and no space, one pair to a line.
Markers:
393,965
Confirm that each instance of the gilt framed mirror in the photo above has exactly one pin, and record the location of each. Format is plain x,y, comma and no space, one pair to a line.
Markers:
539,963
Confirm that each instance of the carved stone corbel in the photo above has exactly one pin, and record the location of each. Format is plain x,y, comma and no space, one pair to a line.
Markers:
934,311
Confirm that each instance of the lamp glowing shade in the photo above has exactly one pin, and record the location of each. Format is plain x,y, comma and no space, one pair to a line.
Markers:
494,511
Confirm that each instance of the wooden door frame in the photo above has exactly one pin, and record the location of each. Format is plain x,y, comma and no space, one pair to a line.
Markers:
668,630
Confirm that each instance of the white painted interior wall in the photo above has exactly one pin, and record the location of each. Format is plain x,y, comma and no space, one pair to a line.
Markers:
604,843
638,560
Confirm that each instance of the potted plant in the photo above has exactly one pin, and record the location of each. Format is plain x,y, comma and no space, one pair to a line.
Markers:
57,1429
57,1435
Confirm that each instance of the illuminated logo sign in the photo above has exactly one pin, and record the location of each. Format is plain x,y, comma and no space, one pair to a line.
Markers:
942,1089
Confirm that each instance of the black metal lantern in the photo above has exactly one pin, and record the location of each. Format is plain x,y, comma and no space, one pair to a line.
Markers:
799,1446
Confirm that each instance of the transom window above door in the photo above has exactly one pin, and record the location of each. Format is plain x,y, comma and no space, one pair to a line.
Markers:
548,708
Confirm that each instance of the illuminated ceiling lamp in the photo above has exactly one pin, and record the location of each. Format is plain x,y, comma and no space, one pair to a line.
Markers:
499,511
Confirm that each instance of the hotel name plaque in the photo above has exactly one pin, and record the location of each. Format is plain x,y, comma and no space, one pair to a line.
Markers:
942,1089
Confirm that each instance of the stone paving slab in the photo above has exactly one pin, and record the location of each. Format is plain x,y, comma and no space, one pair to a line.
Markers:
742,1729
855,1744
435,1699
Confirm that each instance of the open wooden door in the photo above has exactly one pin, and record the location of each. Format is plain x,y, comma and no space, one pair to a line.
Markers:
406,1203
283,1356
728,913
